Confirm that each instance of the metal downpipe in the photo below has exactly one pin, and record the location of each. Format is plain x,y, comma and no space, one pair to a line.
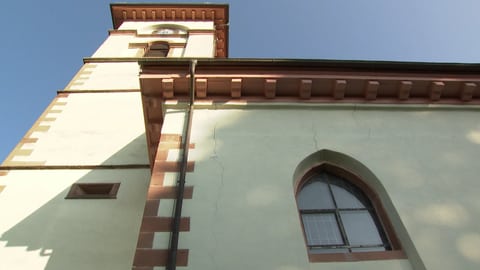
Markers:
172,258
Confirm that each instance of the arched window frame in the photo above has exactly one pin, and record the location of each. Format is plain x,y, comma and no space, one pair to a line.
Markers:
383,222
170,30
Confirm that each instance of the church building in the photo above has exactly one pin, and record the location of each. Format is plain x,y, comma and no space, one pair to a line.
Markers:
163,153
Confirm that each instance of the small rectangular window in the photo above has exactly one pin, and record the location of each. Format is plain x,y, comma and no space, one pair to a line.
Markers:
93,191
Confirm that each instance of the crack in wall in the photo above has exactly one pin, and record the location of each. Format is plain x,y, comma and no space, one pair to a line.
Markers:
314,136
358,122
353,114
219,192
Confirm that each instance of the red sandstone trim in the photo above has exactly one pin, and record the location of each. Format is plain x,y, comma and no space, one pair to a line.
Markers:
145,240
173,145
157,178
151,208
305,89
29,140
172,166
201,31
357,256
236,88
62,95
270,87
163,224
145,256
170,138
371,90
329,100
201,88
161,155
142,268
122,32
158,257
404,90
167,193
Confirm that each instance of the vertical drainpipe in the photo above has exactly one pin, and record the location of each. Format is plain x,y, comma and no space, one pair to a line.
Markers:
177,214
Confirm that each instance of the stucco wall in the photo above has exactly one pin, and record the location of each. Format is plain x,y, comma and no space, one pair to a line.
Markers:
96,123
89,129
106,76
117,46
243,211
40,229
200,45
124,44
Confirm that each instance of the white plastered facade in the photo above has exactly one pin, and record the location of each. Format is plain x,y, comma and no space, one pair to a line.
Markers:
244,213
98,124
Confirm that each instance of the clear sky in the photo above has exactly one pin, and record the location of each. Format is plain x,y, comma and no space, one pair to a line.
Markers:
43,42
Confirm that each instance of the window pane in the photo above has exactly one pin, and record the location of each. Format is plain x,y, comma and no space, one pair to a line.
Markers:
346,199
328,250
321,229
169,31
368,249
165,31
360,228
315,195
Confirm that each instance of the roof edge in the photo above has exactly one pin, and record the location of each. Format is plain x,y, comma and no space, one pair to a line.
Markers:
399,66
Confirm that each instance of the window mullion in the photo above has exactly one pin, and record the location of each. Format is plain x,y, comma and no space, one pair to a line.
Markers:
339,220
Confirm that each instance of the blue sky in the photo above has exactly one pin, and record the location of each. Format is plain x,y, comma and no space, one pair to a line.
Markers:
44,42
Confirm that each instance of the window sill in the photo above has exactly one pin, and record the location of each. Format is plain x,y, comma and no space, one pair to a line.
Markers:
357,256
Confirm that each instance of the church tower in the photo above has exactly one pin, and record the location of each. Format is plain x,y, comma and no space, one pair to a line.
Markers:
76,191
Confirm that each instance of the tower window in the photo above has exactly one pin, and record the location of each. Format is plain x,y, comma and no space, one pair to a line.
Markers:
170,31
339,220
93,191
157,49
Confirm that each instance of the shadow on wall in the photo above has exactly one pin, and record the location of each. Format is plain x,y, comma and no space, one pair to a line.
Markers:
244,178
63,234
243,168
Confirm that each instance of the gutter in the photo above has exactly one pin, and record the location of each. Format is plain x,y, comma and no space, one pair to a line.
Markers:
317,64
172,258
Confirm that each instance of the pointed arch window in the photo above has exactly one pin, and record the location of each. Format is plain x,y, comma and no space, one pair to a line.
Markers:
340,221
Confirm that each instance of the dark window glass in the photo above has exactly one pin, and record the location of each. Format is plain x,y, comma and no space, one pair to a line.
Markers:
159,49
93,191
